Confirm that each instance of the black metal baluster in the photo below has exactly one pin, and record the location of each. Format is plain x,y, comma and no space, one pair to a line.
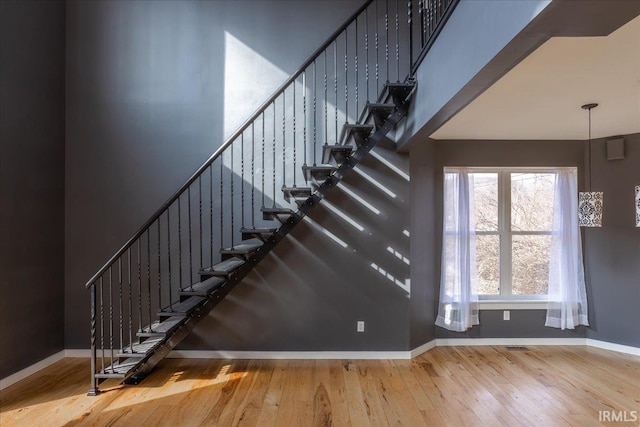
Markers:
201,247
159,269
431,18
180,241
294,132
221,200
232,200
314,114
190,239
120,304
210,213
130,307
346,75
93,390
304,114
335,85
169,256
253,187
357,109
284,113
386,41
139,287
273,168
366,50
149,278
102,318
326,101
377,54
397,41
241,181
410,23
263,154
422,23
111,314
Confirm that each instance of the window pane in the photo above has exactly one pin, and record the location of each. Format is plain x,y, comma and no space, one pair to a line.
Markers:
485,186
530,265
488,258
532,201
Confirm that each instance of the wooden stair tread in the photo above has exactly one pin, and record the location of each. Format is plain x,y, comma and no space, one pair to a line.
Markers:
163,328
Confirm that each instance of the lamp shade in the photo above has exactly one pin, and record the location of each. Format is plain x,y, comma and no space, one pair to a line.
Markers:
637,205
590,209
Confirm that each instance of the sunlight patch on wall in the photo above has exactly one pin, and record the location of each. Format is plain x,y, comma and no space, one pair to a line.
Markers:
390,165
398,255
249,79
375,183
406,285
357,198
324,231
342,215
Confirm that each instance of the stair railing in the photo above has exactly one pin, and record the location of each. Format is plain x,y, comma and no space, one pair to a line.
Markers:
379,43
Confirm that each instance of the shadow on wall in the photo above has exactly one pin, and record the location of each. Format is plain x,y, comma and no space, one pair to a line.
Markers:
335,268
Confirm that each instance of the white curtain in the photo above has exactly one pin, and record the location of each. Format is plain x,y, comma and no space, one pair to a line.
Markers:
458,308
567,307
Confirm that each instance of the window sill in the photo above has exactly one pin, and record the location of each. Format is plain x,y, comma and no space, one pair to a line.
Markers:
512,305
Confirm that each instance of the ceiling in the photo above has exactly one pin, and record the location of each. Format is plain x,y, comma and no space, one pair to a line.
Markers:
540,98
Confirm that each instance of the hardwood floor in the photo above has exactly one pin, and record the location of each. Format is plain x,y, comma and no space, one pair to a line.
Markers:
447,386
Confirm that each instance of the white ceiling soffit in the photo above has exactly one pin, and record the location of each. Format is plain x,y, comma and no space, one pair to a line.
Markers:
541,97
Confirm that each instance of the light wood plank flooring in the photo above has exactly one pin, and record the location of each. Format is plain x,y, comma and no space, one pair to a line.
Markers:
447,386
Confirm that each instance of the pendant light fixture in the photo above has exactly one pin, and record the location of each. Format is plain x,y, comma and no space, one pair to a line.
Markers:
590,203
637,205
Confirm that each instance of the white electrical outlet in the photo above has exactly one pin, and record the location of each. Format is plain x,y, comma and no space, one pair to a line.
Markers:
360,326
506,315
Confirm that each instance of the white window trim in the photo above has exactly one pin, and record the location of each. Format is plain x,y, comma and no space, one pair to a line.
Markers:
508,302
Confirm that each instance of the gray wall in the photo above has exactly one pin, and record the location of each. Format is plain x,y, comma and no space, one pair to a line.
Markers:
147,104
424,250
612,253
31,182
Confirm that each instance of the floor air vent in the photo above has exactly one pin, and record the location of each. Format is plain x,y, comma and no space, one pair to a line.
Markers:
517,348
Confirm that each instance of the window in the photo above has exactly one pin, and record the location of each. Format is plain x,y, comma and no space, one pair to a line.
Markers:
513,211
511,235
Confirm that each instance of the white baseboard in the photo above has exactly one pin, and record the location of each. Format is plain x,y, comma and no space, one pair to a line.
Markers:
423,348
447,342
613,347
291,355
30,370
326,355
77,352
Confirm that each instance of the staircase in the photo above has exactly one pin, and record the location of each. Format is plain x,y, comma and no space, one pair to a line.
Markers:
258,186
